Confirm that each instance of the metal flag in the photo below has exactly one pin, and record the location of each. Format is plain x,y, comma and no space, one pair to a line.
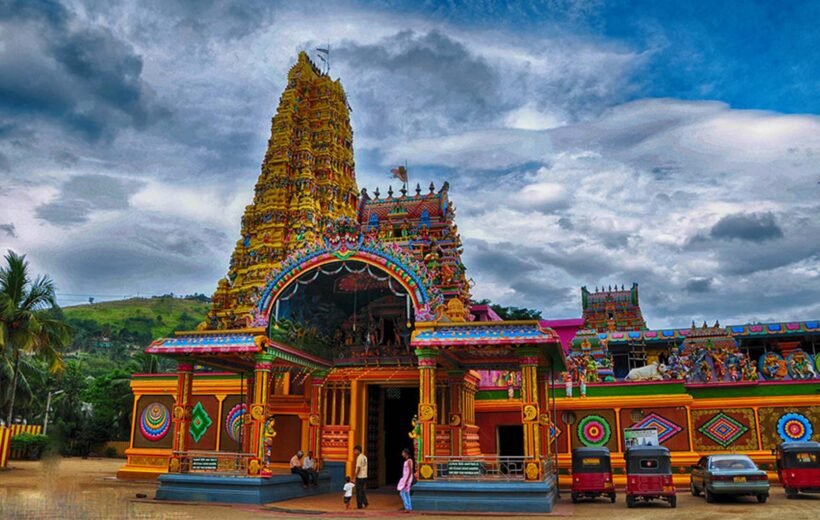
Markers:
400,173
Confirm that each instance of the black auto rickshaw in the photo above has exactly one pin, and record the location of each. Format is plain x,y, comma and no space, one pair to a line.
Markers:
592,474
649,475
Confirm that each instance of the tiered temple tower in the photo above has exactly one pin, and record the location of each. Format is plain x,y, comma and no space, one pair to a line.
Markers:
307,181
609,309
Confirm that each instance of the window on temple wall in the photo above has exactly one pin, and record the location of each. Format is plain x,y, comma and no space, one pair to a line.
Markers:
336,404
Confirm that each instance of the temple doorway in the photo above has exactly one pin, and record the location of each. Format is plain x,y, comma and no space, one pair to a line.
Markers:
390,411
510,441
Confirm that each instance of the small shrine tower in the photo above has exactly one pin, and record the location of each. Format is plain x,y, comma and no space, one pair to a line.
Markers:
610,309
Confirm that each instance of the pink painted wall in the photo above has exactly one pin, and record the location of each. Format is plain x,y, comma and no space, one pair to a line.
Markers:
566,329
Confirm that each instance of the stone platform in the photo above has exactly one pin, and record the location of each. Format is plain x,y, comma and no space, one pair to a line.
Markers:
199,487
484,496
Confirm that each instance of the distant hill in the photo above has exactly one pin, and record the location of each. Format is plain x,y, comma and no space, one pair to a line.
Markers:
135,321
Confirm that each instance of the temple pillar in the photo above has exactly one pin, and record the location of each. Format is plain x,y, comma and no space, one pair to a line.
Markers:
182,415
315,418
471,439
457,417
260,420
427,413
528,359
544,417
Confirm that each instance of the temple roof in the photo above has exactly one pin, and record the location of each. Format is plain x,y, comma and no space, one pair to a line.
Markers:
485,333
233,349
737,331
490,345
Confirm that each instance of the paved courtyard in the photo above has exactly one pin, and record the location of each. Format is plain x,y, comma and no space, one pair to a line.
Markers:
79,489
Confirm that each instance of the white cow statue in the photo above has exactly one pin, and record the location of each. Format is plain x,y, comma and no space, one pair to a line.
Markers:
652,372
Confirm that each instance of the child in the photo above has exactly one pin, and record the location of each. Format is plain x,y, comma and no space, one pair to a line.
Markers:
348,491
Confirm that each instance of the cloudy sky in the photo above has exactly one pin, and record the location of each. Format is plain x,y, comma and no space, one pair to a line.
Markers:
586,142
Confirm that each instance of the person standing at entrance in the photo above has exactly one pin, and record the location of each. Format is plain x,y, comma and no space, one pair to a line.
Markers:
406,481
360,477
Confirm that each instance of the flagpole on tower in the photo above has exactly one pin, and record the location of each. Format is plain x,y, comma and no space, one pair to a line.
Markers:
324,55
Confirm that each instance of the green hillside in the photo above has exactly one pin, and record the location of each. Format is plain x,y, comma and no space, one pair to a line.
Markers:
136,321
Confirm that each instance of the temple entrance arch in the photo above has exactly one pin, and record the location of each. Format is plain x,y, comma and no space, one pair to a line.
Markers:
347,310
404,270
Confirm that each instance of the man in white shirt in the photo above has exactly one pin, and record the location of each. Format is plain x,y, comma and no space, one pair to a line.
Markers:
309,465
360,477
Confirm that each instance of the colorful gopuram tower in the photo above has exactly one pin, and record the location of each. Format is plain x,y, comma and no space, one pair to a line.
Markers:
307,182
611,309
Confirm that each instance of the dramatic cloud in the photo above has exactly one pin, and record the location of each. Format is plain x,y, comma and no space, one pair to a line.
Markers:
754,227
580,149
8,230
81,195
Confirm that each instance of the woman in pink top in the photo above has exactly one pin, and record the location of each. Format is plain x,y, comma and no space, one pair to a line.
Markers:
406,480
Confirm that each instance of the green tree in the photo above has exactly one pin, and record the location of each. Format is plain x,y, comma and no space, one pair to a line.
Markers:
111,403
26,326
512,313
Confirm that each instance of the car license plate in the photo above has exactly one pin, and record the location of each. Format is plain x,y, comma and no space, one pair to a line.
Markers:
740,479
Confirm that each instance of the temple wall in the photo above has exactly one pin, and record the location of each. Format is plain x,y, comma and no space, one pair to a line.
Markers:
691,422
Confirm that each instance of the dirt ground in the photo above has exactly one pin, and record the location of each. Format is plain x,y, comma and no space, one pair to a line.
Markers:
85,489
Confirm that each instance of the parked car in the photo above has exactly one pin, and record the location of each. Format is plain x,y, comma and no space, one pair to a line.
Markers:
649,475
798,467
728,475
592,474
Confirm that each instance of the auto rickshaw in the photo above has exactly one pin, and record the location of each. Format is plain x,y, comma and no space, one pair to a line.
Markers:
798,467
649,475
591,474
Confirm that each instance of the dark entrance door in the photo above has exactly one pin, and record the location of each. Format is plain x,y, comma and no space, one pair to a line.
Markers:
389,419
511,441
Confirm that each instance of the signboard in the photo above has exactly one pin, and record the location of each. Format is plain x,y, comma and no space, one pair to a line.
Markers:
464,468
204,464
641,437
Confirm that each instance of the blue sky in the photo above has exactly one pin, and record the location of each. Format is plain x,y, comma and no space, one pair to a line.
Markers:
585,142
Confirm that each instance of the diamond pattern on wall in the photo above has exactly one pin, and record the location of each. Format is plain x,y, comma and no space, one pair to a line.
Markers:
723,430
666,428
554,431
200,422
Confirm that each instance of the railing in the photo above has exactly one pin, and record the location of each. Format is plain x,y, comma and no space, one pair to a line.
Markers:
487,468
217,462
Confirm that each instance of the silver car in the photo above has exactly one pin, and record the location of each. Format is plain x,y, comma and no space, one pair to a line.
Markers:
728,475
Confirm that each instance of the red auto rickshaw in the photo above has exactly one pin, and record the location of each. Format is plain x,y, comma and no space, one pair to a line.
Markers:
649,475
591,474
798,467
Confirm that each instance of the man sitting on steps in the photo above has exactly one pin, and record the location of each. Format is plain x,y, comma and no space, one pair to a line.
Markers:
309,465
297,469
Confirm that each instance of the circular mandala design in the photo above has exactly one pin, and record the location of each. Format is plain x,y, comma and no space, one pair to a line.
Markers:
593,430
233,421
793,426
155,422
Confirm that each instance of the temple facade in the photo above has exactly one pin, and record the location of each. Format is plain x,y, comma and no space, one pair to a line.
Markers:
346,318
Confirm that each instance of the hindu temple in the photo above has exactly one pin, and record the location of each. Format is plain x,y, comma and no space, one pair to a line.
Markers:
346,318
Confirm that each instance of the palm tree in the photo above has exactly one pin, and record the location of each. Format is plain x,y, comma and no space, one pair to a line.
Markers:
26,326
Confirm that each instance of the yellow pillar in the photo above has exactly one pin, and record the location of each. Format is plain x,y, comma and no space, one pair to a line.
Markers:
260,420
545,417
182,415
427,413
458,417
315,418
530,412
